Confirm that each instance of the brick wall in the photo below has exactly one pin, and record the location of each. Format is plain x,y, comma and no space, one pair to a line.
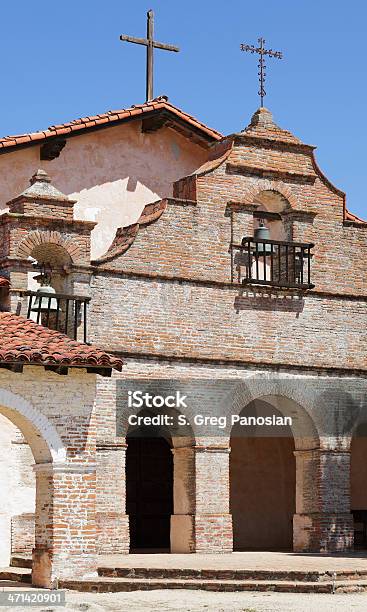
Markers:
23,534
165,297
191,320
201,519
56,416
191,239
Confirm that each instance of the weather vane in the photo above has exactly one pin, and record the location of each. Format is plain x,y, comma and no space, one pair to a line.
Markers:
262,67
150,44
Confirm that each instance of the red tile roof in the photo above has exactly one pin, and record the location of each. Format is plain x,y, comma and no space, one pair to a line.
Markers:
108,119
23,341
256,128
352,217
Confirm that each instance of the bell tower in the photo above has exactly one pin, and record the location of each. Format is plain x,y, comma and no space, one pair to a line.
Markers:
39,233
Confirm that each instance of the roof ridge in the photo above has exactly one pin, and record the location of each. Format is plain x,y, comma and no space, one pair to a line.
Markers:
349,216
90,121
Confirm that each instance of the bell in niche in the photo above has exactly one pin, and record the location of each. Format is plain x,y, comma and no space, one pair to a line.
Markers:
262,233
42,302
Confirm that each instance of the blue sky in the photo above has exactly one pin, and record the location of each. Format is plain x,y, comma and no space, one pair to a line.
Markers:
63,60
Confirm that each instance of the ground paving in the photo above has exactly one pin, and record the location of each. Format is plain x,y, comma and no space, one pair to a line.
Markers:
198,601
277,561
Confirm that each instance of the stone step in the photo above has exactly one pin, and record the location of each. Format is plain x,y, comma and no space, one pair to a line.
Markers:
147,573
21,561
113,585
20,574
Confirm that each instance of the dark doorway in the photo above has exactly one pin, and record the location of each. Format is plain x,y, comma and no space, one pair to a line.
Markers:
149,492
358,491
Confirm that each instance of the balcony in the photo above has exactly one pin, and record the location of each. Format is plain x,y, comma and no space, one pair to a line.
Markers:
273,263
60,312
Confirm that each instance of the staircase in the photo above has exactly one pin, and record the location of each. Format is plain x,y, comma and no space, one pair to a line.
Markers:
117,579
131,579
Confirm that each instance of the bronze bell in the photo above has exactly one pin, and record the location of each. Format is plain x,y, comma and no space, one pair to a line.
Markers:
262,233
43,303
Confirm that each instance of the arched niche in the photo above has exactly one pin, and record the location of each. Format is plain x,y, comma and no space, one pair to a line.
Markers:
275,203
266,480
19,419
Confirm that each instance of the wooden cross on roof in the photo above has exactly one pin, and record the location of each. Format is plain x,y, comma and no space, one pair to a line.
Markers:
150,44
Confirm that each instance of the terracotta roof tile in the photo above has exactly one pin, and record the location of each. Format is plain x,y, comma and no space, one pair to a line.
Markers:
23,341
107,118
257,128
349,216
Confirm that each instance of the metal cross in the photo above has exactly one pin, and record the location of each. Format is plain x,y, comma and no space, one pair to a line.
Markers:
150,44
262,67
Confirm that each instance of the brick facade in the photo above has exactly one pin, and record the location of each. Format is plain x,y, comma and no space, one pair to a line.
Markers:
174,305
165,295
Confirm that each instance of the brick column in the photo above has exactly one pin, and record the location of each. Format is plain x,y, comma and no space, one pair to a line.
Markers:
213,523
65,530
112,520
182,521
323,521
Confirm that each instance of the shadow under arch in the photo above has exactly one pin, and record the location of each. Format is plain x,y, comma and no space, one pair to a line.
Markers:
263,475
358,474
289,398
47,450
44,440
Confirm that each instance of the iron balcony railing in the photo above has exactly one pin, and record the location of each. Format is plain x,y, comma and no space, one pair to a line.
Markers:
275,263
60,312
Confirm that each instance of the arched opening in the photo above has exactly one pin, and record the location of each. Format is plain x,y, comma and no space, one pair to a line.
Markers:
358,488
273,257
270,205
56,261
159,476
21,445
149,488
52,265
18,494
262,482
57,295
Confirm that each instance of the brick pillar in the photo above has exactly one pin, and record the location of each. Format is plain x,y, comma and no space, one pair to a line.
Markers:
65,530
112,520
18,281
182,521
323,521
213,522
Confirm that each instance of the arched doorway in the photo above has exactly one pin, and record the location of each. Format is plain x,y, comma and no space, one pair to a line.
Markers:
159,486
45,446
262,483
358,488
149,489
18,494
